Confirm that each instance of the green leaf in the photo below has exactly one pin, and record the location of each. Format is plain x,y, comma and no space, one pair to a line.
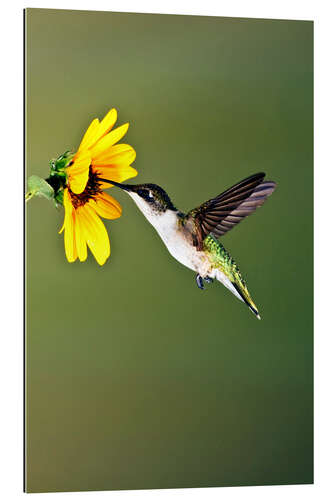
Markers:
39,187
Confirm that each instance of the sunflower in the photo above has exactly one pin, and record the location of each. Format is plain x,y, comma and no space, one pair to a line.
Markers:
83,197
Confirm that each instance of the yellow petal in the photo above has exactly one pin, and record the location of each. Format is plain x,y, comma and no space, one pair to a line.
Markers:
117,174
80,241
119,154
90,134
106,206
68,209
96,235
97,130
69,238
109,140
78,172
106,124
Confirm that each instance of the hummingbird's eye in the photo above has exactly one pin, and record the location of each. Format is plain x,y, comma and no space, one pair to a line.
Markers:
146,194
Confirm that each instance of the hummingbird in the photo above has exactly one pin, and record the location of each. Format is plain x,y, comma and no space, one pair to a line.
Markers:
192,238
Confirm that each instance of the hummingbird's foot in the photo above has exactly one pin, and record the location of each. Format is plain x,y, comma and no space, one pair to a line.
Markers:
208,279
199,281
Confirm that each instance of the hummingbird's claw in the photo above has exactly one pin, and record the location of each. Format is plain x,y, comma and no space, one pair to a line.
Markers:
208,279
199,281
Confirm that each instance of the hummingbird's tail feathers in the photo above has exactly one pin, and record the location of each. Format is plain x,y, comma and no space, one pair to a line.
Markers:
222,278
244,293
226,271
239,290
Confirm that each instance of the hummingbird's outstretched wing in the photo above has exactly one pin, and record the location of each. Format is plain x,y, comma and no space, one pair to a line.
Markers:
222,213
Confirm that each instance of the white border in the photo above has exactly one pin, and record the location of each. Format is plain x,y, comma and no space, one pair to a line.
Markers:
11,238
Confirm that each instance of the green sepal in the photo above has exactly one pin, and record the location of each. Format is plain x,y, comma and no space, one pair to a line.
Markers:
59,198
39,187
58,165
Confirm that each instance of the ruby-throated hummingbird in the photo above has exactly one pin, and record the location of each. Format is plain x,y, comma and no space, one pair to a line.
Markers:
192,238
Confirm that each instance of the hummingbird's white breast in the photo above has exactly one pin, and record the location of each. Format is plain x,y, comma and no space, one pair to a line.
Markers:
175,237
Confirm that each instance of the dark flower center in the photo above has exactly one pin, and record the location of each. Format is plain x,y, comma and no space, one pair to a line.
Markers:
91,190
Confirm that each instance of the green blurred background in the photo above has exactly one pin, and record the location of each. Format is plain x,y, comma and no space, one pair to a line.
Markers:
136,378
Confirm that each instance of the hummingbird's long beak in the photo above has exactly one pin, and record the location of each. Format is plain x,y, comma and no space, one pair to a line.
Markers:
125,187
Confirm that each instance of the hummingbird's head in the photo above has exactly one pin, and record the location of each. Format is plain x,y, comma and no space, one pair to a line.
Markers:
151,199
151,195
